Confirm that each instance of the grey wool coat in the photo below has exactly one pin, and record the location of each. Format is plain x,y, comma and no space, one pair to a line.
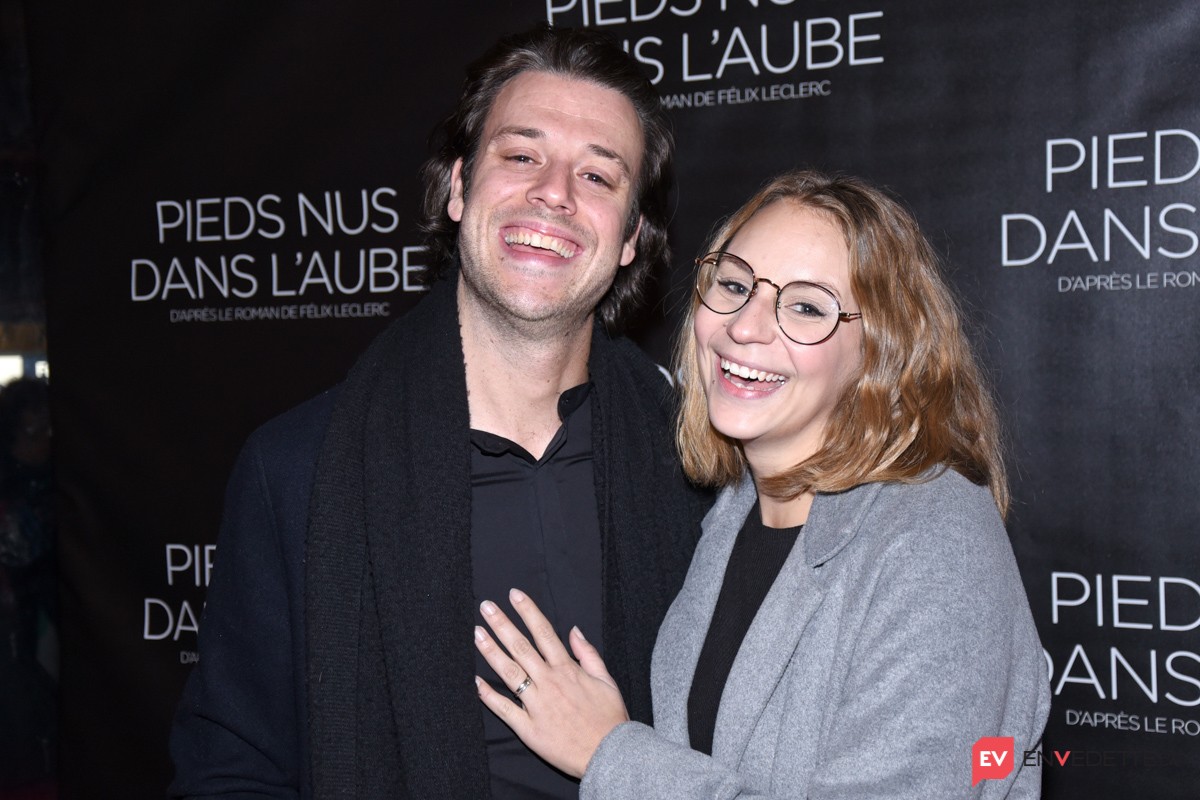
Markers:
897,634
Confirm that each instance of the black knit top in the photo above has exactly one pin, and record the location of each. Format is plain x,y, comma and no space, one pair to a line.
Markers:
757,557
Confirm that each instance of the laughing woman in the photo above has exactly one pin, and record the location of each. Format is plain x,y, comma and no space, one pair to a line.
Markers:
853,620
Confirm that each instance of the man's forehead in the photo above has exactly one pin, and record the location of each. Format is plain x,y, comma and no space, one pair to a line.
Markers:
537,95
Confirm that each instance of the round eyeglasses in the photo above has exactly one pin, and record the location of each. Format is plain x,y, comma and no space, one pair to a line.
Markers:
806,313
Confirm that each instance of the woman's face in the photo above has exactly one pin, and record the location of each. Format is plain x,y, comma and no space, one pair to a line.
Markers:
780,414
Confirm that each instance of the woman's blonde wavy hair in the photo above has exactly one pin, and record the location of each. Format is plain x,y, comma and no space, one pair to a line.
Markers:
919,402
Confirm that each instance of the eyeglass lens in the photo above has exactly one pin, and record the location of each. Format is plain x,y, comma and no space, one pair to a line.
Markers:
807,313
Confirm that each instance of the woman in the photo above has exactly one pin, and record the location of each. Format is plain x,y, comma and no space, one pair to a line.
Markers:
853,620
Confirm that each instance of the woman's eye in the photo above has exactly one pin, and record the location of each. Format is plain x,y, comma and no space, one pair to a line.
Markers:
734,287
806,310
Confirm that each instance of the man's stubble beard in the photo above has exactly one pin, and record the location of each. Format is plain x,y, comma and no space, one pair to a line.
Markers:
511,319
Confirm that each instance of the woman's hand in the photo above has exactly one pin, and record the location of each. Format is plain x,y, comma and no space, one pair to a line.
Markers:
566,707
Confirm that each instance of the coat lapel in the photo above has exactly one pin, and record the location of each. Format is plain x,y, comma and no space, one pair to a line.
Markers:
683,630
765,654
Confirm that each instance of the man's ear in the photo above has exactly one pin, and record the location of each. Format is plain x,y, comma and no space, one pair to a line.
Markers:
629,249
454,206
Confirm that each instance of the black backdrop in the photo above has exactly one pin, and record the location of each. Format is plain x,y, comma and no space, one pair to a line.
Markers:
198,283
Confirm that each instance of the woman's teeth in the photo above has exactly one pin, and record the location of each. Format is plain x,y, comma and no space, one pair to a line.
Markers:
746,373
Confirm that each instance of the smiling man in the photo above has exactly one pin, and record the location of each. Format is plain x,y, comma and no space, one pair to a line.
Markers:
496,436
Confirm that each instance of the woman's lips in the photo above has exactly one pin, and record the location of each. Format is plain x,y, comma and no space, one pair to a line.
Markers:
751,380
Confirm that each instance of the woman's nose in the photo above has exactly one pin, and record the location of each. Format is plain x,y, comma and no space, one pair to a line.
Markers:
755,322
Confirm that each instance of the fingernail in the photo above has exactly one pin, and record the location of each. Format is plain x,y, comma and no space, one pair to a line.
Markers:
579,633
479,636
488,607
516,595
478,685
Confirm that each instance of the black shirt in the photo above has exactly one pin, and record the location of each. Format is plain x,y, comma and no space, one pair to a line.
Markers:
534,526
754,564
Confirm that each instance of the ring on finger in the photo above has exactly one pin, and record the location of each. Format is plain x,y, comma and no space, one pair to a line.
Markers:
525,684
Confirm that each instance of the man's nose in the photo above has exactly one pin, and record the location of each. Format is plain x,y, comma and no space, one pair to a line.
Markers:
552,188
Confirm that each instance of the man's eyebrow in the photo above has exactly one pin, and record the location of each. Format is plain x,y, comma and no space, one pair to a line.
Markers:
514,130
604,152
537,133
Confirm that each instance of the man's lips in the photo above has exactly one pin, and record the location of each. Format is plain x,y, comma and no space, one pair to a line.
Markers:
531,240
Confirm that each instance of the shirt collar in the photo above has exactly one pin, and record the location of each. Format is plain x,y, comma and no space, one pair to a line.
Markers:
493,444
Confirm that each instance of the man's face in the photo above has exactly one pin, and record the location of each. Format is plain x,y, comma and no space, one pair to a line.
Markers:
543,222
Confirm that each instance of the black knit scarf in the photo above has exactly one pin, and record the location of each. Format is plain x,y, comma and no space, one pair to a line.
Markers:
392,705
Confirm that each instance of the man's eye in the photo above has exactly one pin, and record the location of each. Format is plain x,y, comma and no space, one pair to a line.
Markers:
597,179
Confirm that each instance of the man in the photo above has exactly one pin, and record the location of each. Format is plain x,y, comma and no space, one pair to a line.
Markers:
496,436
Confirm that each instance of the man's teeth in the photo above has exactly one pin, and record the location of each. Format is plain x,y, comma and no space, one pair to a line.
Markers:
749,374
543,242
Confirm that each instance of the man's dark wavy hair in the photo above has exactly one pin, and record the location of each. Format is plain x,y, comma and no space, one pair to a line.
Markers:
580,54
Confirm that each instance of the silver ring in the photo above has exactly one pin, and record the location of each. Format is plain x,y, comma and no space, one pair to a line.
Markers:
525,684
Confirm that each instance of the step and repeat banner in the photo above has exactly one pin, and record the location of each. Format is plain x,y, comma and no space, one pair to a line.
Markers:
229,193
